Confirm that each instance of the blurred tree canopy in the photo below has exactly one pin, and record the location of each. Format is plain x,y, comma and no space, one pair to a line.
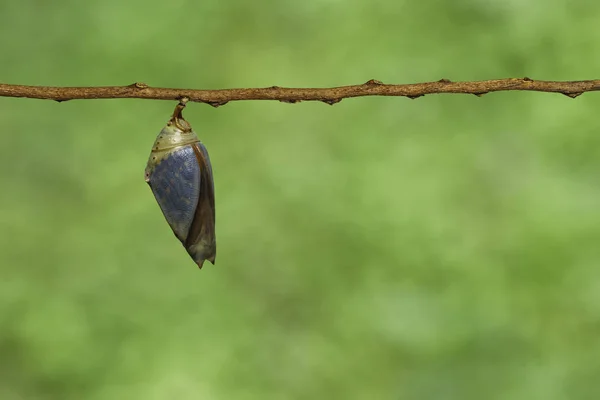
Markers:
382,248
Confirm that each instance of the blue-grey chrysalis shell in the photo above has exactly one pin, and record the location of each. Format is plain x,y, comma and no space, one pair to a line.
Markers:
179,173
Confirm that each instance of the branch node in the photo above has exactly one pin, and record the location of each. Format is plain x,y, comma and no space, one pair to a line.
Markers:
331,101
275,87
444,80
416,96
373,82
527,79
480,94
139,85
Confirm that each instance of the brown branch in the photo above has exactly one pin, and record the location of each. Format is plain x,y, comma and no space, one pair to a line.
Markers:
293,95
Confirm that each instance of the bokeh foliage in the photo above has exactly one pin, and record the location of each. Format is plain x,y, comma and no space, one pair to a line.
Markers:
381,248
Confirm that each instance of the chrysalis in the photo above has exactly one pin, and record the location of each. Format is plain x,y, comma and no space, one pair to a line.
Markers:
179,173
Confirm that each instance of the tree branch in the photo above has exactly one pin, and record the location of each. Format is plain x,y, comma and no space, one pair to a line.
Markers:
293,95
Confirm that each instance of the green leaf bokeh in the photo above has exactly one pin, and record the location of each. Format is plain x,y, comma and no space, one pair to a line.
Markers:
382,248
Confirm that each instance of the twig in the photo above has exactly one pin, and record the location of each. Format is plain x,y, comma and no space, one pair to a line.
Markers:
293,95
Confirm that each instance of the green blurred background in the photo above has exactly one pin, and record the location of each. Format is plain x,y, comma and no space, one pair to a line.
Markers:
381,248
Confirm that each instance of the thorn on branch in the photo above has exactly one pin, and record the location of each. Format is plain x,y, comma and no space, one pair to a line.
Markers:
216,104
412,97
480,94
332,101
373,82
290,101
573,95
527,79
444,80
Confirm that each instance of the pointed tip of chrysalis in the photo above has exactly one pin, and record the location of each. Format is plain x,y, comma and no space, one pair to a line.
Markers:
201,262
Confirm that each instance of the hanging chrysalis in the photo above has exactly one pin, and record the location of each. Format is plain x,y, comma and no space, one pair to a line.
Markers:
179,173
